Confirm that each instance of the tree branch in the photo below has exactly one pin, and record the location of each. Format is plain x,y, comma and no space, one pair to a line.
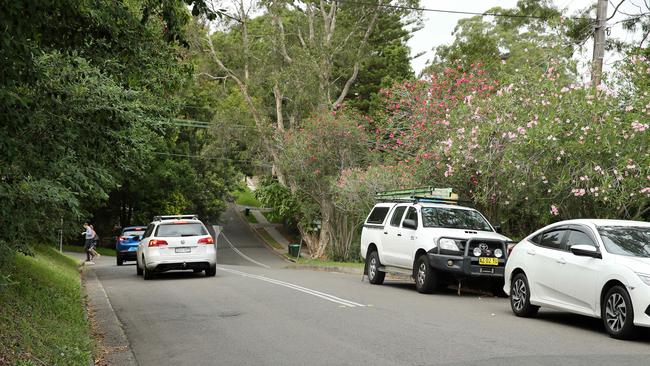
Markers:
615,10
212,76
357,62
283,46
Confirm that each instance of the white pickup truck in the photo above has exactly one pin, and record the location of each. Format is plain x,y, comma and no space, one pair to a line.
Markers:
435,243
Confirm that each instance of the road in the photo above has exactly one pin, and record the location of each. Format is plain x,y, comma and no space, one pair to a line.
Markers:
255,312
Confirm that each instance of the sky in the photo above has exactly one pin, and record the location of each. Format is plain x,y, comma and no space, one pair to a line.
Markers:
439,26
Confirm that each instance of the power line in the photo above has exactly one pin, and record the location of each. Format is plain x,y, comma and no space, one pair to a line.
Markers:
447,11
209,158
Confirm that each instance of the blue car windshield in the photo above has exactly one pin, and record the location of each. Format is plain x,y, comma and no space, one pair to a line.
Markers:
129,233
633,241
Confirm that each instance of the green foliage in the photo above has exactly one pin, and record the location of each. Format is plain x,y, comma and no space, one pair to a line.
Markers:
87,88
502,45
278,197
245,197
42,314
540,148
388,62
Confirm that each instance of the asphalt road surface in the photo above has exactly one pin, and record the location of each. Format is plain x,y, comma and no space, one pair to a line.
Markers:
255,312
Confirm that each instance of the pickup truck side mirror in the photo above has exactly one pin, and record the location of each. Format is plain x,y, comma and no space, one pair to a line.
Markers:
410,224
497,228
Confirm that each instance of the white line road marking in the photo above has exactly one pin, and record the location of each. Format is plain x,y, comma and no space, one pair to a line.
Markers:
242,254
319,294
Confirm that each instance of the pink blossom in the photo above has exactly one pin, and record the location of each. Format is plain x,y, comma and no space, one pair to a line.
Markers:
639,127
554,210
645,190
449,171
521,130
578,192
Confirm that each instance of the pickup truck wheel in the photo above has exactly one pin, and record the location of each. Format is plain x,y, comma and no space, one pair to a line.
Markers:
426,278
375,276
520,297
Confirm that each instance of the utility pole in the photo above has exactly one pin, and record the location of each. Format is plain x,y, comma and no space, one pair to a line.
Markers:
599,43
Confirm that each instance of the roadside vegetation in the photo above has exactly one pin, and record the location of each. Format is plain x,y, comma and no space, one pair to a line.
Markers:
80,249
42,314
269,239
245,197
250,217
326,263
503,115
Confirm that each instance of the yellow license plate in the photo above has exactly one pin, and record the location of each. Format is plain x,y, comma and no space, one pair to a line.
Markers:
488,261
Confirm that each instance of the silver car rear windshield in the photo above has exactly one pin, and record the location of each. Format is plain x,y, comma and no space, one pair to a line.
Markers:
454,218
175,230
632,241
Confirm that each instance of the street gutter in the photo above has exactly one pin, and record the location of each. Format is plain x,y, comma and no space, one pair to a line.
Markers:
115,346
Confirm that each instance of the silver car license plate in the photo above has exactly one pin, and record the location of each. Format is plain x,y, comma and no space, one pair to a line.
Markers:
183,250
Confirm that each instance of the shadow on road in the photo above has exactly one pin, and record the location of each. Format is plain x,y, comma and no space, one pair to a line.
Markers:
178,275
584,323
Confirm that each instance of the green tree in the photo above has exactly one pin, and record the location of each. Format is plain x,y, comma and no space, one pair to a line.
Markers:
536,33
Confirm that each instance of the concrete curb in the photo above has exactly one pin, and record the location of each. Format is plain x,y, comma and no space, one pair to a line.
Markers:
114,338
341,269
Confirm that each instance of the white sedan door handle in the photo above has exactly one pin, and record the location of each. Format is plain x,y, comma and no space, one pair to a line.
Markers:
561,261
531,251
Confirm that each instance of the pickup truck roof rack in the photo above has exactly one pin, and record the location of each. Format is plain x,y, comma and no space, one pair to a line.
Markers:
423,194
175,217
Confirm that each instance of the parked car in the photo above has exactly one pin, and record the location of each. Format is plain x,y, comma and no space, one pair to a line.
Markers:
598,268
126,244
179,242
432,240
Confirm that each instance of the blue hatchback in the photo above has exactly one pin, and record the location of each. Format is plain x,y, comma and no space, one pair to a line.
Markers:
126,244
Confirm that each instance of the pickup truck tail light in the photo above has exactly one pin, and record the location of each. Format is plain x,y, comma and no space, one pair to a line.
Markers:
157,243
206,240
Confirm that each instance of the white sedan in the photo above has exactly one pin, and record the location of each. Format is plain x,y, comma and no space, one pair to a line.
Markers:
176,243
599,268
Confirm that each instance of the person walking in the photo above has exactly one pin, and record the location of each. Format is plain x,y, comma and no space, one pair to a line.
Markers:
94,244
88,234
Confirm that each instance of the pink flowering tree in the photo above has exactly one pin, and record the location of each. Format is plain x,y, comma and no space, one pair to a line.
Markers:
313,158
534,148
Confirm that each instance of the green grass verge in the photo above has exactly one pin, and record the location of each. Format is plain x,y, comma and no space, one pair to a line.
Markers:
269,239
325,263
77,249
245,197
250,218
42,320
